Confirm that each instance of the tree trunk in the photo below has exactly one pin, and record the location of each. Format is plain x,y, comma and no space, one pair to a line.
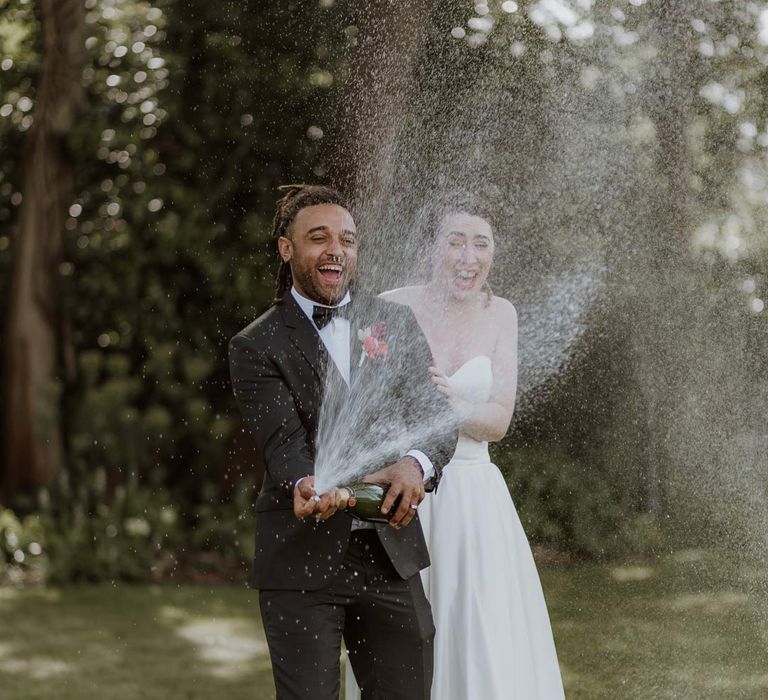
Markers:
674,79
33,439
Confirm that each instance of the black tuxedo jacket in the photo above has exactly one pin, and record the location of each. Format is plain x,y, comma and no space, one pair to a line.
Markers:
279,369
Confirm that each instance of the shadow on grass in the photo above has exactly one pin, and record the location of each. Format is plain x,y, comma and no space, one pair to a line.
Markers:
133,642
689,626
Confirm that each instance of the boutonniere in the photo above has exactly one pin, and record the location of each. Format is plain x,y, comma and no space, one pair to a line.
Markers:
374,344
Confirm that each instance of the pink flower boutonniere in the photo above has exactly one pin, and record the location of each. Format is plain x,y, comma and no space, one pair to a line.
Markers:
374,345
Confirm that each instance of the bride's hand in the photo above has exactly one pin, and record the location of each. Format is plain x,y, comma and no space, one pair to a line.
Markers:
441,382
460,407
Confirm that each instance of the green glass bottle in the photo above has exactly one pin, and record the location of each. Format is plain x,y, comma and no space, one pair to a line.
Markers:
364,502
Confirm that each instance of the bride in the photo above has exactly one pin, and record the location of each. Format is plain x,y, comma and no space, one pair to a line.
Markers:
493,638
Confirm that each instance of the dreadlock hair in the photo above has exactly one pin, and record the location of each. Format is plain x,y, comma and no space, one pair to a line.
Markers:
296,198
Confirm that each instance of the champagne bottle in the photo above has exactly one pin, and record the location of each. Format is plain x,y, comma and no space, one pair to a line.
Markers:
364,502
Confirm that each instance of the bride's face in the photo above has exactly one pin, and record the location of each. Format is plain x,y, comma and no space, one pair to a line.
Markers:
462,255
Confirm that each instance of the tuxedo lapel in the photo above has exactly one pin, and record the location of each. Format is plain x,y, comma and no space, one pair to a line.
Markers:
357,323
367,313
306,339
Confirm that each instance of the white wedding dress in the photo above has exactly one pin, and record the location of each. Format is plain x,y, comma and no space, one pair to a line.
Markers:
494,639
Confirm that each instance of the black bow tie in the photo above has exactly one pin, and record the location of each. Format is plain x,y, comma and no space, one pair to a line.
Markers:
323,315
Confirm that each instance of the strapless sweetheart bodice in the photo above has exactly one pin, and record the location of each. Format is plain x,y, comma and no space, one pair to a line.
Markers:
472,382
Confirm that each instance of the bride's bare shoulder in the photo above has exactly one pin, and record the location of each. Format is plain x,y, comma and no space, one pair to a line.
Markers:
503,310
403,295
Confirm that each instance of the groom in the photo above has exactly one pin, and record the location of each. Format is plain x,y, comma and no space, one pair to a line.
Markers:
321,576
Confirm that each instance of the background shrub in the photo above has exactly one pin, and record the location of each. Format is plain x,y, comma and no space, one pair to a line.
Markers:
568,506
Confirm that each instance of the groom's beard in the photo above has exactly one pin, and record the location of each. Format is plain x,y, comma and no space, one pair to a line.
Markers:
311,285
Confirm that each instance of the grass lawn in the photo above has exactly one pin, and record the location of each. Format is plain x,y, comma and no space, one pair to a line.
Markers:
686,626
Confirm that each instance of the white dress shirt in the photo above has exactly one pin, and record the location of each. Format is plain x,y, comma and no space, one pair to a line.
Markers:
335,337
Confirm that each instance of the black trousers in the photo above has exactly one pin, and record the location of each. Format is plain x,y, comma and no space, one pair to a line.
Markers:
386,623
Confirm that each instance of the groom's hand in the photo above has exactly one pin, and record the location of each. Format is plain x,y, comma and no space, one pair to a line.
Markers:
306,502
406,480
328,504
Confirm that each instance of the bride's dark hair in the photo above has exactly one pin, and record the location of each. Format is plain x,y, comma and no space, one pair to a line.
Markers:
457,202
296,198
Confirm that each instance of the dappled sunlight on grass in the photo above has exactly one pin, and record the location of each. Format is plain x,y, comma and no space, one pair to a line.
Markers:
36,667
713,682
631,573
228,646
688,556
7,594
746,682
127,642
688,626
710,603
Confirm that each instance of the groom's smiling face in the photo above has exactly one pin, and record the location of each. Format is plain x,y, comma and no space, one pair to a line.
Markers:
321,248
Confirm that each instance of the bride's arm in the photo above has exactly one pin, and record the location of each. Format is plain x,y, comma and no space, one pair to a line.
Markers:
490,421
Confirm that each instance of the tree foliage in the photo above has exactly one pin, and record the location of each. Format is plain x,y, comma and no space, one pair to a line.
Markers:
196,111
